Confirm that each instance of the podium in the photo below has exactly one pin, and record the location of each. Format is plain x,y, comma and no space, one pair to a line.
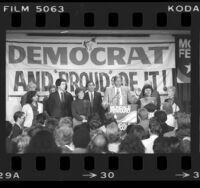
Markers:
124,113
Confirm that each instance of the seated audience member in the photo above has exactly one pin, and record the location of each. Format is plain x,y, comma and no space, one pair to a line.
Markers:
80,108
11,147
31,109
185,145
162,118
51,124
184,126
40,119
131,144
35,129
22,142
18,125
181,133
42,142
155,131
113,136
167,107
184,120
63,137
173,99
81,138
65,122
31,87
109,118
52,89
99,144
143,115
95,124
138,131
166,145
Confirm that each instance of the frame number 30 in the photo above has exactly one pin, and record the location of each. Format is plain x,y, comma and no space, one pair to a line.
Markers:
107,175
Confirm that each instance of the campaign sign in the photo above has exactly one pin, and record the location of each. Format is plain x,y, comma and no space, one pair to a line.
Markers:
125,113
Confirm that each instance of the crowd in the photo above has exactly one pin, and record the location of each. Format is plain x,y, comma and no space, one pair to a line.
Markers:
62,124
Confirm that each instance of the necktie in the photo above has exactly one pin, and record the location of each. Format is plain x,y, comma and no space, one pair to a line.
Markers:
118,96
92,99
62,97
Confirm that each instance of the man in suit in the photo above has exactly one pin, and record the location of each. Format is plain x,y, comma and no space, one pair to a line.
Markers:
59,103
118,94
95,99
19,118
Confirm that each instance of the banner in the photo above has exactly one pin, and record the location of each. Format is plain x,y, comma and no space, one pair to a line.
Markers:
79,59
18,79
183,58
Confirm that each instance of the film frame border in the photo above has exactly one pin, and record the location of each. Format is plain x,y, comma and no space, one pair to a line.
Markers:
158,167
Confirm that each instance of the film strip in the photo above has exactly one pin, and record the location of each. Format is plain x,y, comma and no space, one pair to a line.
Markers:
30,30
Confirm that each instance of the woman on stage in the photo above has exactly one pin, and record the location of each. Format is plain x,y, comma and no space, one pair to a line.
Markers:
80,108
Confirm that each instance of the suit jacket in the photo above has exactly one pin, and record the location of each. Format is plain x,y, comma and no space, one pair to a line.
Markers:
109,96
97,108
58,109
16,131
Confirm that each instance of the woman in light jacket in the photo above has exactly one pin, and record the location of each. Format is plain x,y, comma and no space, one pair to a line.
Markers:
31,109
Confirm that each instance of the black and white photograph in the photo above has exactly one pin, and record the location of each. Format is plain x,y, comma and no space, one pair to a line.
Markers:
98,91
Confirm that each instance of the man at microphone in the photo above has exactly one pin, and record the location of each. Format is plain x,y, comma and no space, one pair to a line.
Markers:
117,95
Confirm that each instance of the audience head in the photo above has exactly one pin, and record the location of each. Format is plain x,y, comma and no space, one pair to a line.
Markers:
63,135
171,91
161,116
143,114
112,132
79,92
182,133
81,136
65,122
166,145
35,129
61,84
137,131
22,142
51,124
90,86
19,117
185,145
32,96
167,107
109,118
43,142
154,126
184,121
41,118
131,144
99,144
